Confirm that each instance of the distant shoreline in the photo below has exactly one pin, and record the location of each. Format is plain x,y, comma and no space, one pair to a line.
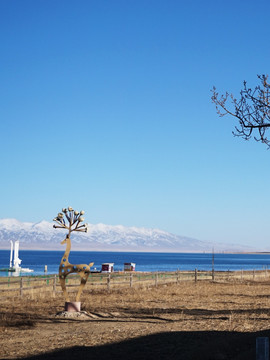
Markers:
146,251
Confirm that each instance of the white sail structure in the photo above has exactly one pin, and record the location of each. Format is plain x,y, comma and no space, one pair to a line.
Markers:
15,261
11,254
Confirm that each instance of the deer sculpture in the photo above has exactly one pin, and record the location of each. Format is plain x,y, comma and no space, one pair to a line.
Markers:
72,223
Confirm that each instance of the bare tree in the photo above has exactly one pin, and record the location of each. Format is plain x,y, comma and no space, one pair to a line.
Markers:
252,110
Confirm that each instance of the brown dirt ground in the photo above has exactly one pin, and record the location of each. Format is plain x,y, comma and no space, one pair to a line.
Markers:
203,320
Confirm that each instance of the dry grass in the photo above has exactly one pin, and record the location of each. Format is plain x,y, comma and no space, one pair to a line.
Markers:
182,309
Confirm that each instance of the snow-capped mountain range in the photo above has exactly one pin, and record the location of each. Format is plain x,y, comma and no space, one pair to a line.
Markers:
101,237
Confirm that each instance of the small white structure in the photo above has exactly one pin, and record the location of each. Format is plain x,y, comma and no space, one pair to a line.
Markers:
11,255
15,261
129,266
107,267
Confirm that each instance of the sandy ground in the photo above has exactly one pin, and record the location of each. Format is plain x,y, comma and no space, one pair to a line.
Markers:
205,320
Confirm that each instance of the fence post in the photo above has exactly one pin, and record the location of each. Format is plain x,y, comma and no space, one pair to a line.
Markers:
54,284
213,274
21,287
131,280
241,274
156,279
109,282
196,275
253,275
265,271
177,277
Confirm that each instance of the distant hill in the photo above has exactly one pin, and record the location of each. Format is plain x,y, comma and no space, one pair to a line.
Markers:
101,237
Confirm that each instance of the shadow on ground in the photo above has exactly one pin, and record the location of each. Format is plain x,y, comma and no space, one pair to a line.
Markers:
212,345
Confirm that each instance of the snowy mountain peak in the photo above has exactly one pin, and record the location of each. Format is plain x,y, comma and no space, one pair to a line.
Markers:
102,237
13,224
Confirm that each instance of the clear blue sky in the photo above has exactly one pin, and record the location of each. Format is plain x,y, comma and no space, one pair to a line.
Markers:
105,106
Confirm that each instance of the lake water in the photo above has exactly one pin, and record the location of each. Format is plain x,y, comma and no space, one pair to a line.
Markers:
37,260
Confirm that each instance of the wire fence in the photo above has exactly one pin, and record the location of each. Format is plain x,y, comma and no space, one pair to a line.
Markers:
30,285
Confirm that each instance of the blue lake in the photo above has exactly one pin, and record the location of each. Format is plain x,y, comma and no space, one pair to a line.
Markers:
37,260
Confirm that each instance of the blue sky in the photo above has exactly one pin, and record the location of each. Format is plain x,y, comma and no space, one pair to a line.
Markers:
105,106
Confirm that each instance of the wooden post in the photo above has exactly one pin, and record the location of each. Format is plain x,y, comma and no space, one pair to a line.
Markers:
109,282
156,279
21,287
131,280
262,348
265,271
177,277
54,284
213,264
196,275
241,274
253,275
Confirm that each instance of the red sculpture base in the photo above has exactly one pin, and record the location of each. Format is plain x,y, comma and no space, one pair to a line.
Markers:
73,306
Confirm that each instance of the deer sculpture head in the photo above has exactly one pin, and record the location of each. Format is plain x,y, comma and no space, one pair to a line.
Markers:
63,242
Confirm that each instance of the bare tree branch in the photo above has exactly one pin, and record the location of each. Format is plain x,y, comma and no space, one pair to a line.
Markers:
252,110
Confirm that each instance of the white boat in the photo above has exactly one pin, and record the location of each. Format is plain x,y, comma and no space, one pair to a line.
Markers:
15,261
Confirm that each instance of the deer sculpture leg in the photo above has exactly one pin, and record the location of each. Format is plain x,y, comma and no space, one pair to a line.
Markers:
84,277
63,286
